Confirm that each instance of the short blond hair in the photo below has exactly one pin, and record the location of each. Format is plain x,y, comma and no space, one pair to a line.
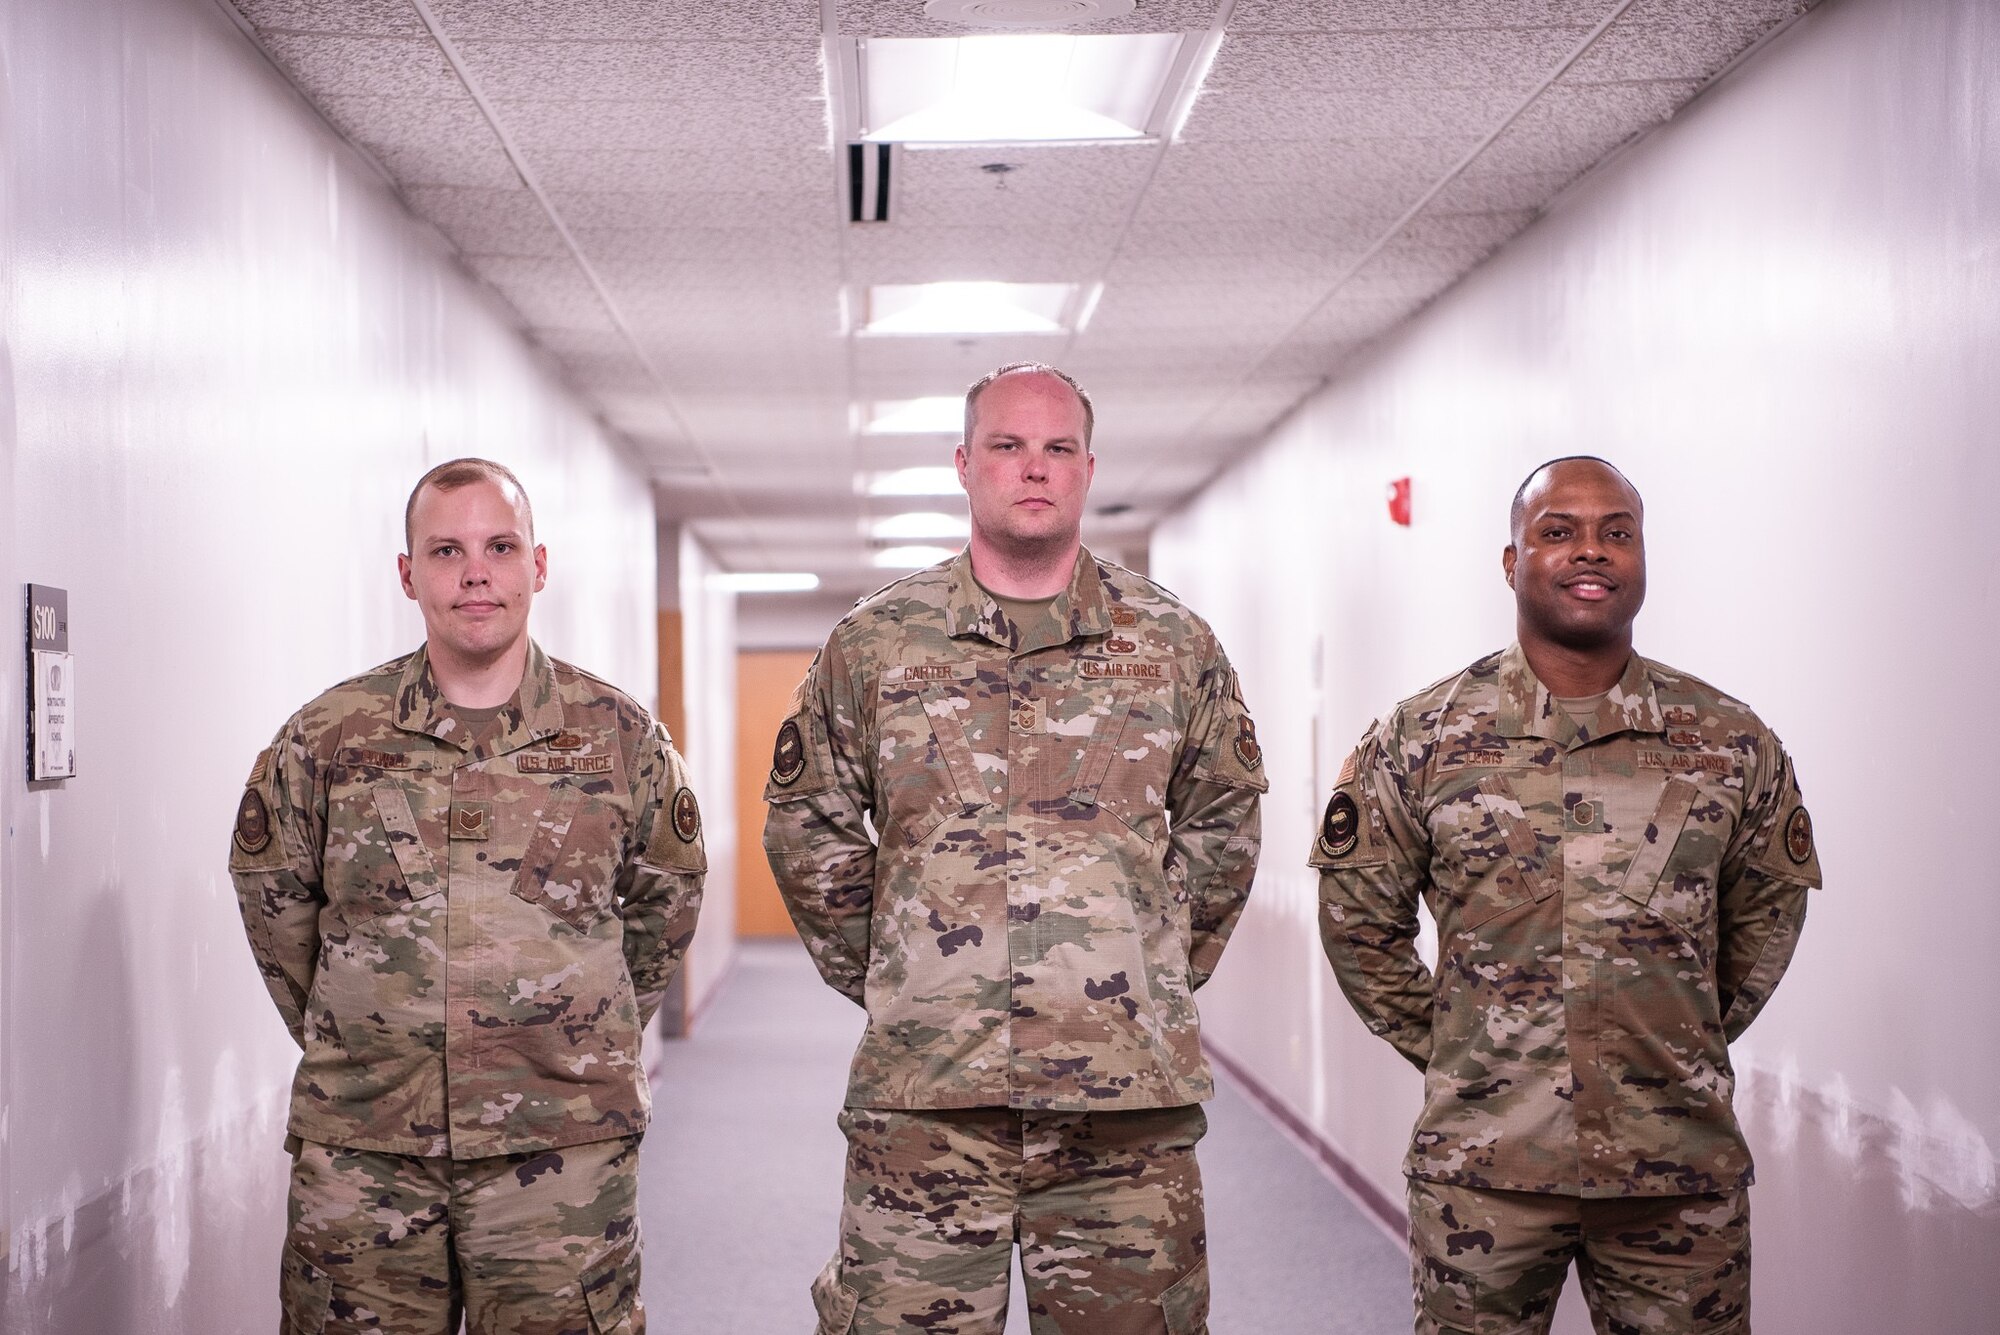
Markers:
456,473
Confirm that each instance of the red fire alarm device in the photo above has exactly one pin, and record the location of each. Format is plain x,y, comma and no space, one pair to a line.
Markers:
1399,501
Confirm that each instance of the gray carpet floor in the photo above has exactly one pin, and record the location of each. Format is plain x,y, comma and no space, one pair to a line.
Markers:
740,1183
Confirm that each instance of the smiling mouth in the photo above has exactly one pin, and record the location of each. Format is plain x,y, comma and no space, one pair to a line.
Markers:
1589,589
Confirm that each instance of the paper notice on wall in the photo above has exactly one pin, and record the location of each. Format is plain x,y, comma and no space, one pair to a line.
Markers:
55,714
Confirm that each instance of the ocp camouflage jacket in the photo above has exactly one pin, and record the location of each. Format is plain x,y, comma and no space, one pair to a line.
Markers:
1020,847
1616,897
467,935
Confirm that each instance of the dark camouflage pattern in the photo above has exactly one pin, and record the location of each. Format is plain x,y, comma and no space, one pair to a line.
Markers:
1021,846
1494,1262
1107,1207
467,935
1616,898
543,1243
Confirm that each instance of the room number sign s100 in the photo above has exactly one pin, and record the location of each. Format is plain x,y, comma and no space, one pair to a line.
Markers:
51,686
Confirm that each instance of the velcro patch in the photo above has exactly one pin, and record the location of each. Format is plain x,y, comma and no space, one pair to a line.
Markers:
364,758
788,755
253,822
540,764
471,820
1340,828
1096,667
566,741
1685,762
687,816
1799,837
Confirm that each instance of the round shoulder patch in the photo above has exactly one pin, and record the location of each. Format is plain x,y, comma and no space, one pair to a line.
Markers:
1247,749
1340,830
687,816
1798,836
253,822
788,757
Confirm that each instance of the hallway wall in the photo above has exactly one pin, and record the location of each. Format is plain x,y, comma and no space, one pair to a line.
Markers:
228,353
1780,314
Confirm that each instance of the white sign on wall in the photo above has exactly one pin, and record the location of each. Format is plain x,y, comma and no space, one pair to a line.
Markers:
51,686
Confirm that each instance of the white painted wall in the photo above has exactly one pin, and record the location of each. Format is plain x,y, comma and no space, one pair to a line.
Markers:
708,665
1781,315
227,356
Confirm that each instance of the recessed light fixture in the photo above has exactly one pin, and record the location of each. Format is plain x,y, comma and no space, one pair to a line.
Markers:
1052,87
758,581
971,308
935,415
912,482
911,558
921,524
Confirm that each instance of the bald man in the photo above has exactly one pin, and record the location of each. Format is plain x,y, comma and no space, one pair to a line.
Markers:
1014,815
1617,859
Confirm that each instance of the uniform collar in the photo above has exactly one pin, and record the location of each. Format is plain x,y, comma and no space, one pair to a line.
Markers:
533,713
1528,710
1081,609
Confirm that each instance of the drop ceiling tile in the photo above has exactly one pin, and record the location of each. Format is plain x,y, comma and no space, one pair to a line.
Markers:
548,294
1403,162
1252,16
893,253
779,251
1676,41
1264,115
1472,232
746,74
538,125
326,66
1570,128
1135,308
1351,317
1300,70
1476,191
685,167
628,20
1311,201
1305,268
906,18
421,157
805,210
489,222
354,18
1045,184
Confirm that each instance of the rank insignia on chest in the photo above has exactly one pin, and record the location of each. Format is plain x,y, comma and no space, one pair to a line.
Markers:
470,820
788,757
1340,829
687,816
253,822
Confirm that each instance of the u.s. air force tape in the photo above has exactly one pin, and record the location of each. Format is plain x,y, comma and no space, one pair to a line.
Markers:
1340,830
788,757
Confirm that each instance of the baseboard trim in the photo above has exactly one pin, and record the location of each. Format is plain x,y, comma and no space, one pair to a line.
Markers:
1371,1200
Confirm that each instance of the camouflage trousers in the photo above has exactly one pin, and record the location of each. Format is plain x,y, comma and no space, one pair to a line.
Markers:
1106,1207
1493,1262
519,1244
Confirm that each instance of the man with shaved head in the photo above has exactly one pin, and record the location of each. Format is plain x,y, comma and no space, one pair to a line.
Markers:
1617,860
1013,812
467,876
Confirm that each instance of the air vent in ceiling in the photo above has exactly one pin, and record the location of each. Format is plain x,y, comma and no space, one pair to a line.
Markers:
868,182
1026,13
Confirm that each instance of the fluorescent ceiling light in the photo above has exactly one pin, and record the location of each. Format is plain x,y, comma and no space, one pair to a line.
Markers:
1019,89
756,581
937,415
921,524
969,308
910,558
912,482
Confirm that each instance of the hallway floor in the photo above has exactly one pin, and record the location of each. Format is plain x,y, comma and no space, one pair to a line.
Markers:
740,1217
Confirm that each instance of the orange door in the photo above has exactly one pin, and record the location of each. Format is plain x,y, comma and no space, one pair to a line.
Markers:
764,682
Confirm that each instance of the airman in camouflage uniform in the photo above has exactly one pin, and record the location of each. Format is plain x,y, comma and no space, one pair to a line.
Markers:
1018,830
467,913
1618,878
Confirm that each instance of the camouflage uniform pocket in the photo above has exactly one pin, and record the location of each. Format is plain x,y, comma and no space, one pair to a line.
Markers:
578,894
1185,1304
1449,1299
304,1292
833,1301
1501,862
611,1288
932,774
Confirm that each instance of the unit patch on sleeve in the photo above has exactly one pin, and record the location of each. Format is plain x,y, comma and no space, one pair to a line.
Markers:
253,822
687,816
1799,836
1340,830
788,757
1247,749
